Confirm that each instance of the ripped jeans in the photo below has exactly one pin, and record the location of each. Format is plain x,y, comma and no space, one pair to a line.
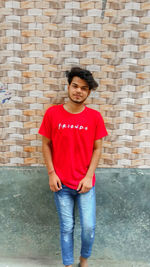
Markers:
65,202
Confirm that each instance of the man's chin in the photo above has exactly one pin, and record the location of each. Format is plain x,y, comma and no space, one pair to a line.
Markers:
79,102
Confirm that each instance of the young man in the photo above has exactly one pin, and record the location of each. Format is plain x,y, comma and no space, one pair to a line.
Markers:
72,142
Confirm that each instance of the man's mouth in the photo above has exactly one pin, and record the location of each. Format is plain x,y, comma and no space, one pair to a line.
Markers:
78,96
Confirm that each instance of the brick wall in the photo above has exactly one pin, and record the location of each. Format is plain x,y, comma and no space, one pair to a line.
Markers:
42,39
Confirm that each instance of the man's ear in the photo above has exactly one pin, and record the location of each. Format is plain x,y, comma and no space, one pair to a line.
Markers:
89,92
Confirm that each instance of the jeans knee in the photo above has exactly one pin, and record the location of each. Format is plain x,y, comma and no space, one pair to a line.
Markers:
89,232
67,228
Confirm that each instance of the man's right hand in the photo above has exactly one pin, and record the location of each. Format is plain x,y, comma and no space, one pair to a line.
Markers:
54,182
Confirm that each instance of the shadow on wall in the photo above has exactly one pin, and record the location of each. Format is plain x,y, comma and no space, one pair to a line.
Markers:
104,2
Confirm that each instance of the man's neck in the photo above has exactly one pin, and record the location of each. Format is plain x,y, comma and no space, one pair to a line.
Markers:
73,107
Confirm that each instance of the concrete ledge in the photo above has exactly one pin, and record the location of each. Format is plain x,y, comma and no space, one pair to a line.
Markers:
29,223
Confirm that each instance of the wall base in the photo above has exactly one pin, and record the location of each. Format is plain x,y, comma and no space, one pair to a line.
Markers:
29,225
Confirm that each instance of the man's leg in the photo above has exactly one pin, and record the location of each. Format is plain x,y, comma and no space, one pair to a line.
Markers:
65,207
87,210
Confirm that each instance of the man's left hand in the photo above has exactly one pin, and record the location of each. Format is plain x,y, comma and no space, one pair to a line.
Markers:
85,185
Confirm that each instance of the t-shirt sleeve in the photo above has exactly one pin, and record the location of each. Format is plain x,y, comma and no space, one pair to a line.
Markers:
100,128
45,128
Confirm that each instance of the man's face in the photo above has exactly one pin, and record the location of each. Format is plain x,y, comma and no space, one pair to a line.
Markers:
78,90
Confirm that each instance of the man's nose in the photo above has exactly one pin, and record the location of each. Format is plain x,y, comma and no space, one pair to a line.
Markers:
79,89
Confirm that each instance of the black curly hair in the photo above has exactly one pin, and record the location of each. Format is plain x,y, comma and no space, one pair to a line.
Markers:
82,74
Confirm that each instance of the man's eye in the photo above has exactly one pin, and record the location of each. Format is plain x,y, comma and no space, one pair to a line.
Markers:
84,89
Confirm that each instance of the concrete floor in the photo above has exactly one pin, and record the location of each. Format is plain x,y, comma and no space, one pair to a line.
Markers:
8,262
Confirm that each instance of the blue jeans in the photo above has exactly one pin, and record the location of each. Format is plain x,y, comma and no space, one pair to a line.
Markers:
65,202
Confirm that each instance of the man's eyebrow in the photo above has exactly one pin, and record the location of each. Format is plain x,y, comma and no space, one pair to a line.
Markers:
84,86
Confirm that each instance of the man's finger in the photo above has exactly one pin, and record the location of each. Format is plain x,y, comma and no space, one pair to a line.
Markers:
79,187
59,185
82,190
52,188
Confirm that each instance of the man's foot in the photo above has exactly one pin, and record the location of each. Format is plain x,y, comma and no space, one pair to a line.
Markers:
83,262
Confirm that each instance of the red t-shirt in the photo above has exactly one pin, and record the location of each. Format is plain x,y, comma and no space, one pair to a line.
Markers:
72,137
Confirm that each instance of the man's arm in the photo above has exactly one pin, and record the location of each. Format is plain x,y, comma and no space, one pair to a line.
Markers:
54,181
86,183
